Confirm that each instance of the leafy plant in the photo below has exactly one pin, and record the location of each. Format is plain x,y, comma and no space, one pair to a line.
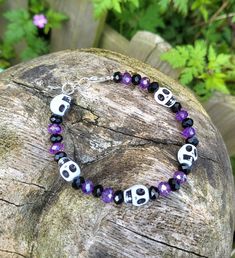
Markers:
54,20
201,32
20,28
102,6
201,68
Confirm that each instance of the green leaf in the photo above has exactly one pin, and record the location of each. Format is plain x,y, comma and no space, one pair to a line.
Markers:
151,19
204,13
20,25
176,57
4,64
216,82
163,5
222,59
102,6
135,3
7,51
181,6
13,34
197,56
16,16
200,88
116,6
36,6
28,53
186,75
55,19
211,54
38,47
217,62
201,91
202,6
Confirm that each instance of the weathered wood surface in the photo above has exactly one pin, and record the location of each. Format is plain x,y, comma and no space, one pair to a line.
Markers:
221,109
81,30
120,137
112,40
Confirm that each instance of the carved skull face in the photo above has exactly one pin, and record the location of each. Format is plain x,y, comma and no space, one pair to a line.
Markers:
137,195
68,169
164,97
187,154
60,104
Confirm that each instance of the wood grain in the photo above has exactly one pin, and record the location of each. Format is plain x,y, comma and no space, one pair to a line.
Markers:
120,137
221,109
81,30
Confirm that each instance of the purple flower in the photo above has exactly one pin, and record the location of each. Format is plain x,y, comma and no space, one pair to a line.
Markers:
39,20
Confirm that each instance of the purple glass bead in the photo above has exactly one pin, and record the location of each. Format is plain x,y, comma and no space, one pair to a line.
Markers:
180,177
56,147
107,195
164,188
181,115
188,132
144,83
87,187
54,129
126,78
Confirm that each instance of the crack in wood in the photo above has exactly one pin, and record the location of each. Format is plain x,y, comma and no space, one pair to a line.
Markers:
160,242
12,252
33,184
12,203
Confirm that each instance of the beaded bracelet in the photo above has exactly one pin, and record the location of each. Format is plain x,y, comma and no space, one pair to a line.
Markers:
137,194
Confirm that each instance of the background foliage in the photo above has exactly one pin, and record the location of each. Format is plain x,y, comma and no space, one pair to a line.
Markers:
20,29
201,32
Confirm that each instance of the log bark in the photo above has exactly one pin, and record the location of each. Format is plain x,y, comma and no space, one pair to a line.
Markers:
120,137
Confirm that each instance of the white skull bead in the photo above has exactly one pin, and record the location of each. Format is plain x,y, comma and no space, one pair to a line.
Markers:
68,169
187,154
164,97
137,195
60,104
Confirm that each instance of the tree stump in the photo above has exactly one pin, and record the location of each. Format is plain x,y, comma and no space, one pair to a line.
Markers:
120,137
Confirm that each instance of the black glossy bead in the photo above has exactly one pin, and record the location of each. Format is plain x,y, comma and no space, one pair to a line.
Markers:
98,189
59,155
187,122
174,185
153,192
185,168
153,86
176,107
77,182
135,79
56,138
117,76
55,119
193,140
118,197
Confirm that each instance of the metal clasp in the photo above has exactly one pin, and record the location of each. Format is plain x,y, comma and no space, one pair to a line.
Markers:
69,88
